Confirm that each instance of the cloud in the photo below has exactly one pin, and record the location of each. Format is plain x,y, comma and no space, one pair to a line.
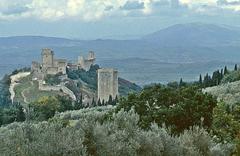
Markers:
92,10
15,10
133,5
225,2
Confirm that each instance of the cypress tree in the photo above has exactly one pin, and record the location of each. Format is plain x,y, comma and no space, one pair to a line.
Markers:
110,100
181,82
93,102
236,67
221,74
115,101
99,102
225,70
200,79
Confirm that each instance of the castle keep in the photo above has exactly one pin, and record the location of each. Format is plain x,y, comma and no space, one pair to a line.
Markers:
107,84
49,65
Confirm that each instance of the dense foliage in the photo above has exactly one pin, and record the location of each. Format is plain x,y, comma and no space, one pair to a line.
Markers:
92,133
179,108
88,77
14,113
4,91
226,122
46,107
52,79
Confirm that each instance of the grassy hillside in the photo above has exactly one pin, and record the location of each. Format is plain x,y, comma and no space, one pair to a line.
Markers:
27,91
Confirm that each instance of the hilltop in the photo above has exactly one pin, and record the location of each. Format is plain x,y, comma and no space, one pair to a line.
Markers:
26,90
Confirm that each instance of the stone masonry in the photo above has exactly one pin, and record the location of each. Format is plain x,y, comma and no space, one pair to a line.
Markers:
48,65
107,84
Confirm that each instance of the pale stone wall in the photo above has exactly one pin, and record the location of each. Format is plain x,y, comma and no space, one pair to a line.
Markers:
65,90
61,64
107,84
52,70
86,63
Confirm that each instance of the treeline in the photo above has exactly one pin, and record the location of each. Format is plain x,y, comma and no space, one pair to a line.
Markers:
216,78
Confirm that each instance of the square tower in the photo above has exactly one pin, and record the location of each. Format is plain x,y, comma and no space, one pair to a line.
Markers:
107,84
47,58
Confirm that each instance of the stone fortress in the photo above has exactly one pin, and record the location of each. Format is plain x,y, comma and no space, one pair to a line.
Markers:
49,65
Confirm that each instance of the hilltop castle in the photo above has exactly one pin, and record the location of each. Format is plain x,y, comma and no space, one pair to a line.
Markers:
49,65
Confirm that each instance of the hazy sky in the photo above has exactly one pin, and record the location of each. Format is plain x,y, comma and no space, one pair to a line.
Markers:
92,19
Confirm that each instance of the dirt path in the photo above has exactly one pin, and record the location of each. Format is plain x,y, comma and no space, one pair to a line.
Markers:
23,93
14,79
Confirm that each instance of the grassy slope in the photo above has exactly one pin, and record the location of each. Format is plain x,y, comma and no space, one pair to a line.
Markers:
30,90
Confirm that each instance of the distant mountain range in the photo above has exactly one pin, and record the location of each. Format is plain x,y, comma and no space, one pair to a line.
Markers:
195,34
178,44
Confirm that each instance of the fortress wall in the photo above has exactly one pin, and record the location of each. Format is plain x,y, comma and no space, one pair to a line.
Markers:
57,88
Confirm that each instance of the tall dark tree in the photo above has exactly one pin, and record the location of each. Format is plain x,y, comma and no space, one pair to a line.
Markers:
225,70
116,99
181,82
99,102
110,100
235,67
93,102
200,79
103,102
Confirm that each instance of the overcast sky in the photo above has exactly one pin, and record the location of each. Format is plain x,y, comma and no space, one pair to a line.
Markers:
93,19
